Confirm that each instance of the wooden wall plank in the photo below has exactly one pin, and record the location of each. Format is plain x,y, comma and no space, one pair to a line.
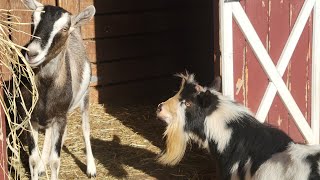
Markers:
256,81
125,6
278,35
126,24
48,2
70,5
147,67
240,68
134,46
309,68
299,71
122,71
25,17
5,73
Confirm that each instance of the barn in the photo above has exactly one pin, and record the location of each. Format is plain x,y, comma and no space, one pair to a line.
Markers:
264,50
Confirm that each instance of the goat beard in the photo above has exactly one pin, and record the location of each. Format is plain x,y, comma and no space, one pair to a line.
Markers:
176,144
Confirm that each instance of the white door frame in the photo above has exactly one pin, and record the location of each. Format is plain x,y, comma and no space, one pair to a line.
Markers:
230,10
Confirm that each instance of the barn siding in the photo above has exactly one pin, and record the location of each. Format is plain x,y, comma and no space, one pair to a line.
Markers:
273,21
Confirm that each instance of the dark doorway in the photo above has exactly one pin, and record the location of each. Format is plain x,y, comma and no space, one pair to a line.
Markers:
141,44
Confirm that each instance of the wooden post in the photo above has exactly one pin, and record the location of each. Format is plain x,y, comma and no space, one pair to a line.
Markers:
315,114
226,44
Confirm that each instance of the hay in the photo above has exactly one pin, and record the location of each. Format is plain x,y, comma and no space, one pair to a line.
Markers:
126,141
14,68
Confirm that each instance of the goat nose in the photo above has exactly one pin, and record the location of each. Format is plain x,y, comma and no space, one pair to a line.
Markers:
32,54
159,107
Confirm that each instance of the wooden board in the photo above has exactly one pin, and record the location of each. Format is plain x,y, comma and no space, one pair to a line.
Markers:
130,24
135,46
122,71
299,77
256,81
129,6
69,5
240,67
24,17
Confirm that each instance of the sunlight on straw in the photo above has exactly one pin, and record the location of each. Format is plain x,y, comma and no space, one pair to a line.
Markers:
13,68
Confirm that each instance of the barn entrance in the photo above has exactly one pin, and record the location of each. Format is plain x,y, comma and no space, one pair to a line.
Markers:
137,46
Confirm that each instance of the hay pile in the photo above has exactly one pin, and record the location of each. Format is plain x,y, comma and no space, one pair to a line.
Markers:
11,61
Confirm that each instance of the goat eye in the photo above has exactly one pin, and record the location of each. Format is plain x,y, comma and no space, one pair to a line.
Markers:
187,104
64,29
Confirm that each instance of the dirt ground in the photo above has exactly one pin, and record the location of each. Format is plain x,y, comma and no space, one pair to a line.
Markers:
125,143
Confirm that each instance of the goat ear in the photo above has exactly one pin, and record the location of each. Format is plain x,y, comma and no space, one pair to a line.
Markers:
216,84
32,4
204,99
83,17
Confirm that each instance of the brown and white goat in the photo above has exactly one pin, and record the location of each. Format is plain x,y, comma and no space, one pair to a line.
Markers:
62,75
245,148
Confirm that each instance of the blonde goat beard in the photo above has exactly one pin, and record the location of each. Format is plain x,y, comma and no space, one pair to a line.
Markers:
176,144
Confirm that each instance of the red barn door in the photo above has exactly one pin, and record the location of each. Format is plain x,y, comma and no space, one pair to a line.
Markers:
276,41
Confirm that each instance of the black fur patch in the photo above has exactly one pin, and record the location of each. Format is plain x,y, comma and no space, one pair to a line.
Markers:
62,124
201,106
313,160
251,139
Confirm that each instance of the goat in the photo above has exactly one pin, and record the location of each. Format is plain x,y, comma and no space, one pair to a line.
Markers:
62,70
244,147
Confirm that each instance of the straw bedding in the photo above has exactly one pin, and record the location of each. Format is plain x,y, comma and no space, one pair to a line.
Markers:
126,141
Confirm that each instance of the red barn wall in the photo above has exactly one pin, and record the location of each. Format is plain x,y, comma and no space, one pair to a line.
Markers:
3,149
273,21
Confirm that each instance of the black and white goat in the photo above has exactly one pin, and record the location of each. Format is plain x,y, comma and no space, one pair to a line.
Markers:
62,75
245,148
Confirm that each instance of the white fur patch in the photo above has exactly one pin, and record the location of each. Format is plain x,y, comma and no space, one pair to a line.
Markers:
289,164
199,141
37,17
216,123
83,87
247,168
234,171
299,151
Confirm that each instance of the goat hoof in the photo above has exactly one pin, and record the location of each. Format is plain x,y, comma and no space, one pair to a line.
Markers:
91,175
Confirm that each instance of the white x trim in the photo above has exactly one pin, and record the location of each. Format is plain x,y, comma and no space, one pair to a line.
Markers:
311,134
